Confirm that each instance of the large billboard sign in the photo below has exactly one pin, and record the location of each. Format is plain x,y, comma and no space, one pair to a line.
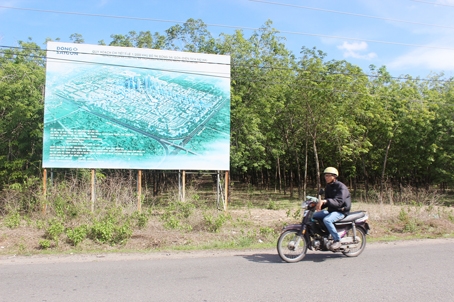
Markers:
135,108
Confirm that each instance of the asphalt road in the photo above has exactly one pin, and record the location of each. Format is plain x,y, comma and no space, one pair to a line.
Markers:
400,271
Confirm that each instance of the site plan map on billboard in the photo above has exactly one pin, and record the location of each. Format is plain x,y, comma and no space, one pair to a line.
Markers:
135,108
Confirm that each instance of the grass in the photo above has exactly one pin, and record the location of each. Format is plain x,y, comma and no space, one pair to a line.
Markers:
253,220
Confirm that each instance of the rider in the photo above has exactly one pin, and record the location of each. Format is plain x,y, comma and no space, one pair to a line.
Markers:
337,200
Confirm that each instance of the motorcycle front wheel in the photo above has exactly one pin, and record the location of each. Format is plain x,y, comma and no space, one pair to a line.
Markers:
291,247
360,245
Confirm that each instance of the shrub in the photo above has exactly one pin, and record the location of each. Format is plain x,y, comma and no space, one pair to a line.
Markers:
77,234
175,213
44,244
141,219
12,220
214,224
54,230
271,205
110,230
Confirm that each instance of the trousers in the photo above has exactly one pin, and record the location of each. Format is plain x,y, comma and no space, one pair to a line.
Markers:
329,219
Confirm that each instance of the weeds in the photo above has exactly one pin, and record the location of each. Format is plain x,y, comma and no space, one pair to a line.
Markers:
175,215
12,220
44,244
54,230
214,224
70,222
272,205
77,234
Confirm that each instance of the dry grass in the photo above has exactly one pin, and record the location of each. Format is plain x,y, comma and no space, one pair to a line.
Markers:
253,219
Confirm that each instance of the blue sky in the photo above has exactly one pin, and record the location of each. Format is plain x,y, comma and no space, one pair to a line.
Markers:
407,36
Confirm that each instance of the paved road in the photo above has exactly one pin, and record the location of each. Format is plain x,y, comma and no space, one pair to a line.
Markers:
401,271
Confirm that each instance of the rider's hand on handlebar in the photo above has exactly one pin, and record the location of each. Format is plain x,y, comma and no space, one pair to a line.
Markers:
318,207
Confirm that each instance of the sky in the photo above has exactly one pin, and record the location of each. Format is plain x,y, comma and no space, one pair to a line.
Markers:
409,37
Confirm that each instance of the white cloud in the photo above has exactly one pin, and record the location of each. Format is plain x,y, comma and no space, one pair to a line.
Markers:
432,59
449,2
356,50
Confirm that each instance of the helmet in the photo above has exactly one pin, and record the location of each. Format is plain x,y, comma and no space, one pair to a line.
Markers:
331,170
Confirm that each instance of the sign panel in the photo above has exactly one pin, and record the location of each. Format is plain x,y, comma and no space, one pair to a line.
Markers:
135,108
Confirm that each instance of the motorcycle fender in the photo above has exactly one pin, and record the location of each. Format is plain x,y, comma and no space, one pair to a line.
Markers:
366,228
292,227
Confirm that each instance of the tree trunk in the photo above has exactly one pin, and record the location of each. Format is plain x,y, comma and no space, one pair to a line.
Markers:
317,165
383,171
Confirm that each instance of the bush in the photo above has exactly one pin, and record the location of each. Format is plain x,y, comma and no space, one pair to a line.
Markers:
175,213
44,244
12,220
141,219
214,224
77,234
111,230
54,230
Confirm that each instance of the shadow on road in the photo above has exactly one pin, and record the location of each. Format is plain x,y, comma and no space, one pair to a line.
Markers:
274,258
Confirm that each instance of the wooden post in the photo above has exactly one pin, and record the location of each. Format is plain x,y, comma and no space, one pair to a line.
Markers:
184,185
92,190
44,191
226,190
139,191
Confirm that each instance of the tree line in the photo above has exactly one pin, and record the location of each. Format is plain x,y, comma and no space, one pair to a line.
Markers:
292,115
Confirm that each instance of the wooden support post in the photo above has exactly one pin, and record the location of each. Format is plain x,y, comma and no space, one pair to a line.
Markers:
93,190
139,191
44,209
184,186
226,190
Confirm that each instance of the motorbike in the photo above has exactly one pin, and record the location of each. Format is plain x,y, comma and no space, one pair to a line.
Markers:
312,234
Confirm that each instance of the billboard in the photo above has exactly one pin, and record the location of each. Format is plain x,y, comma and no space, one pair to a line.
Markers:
134,108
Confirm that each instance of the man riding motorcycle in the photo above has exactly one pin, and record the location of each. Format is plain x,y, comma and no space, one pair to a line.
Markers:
337,200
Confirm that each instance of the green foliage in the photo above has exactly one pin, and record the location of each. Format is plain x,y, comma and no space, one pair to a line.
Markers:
21,114
213,223
141,219
267,232
297,214
12,220
451,217
77,234
44,244
246,240
111,228
54,229
272,205
176,213
410,225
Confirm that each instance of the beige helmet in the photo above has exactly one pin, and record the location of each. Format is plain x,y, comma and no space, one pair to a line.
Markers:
331,170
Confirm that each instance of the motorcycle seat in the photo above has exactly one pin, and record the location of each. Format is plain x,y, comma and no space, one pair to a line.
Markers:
352,216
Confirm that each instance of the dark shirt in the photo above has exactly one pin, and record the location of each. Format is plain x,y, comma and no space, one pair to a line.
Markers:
337,197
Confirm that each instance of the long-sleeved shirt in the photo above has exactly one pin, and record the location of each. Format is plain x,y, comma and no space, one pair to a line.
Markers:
337,197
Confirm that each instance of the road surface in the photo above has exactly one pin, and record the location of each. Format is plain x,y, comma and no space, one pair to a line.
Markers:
398,271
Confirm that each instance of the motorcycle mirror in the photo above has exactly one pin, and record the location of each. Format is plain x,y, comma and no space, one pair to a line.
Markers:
321,192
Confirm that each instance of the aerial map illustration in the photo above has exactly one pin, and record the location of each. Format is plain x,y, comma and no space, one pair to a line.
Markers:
129,112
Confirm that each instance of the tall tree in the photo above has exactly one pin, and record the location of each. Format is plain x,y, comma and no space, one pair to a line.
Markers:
21,112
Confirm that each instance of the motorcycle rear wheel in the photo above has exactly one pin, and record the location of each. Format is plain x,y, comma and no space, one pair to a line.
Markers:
361,236
291,247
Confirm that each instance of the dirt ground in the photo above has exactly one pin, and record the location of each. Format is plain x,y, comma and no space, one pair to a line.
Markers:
259,227
24,240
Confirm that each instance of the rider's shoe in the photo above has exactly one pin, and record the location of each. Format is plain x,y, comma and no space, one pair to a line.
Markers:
336,245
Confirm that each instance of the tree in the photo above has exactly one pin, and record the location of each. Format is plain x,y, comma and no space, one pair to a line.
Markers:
76,38
21,112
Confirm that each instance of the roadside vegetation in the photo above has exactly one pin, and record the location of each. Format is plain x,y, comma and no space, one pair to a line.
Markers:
291,116
253,218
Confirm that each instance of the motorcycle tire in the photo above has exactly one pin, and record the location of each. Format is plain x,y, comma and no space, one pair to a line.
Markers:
291,247
361,236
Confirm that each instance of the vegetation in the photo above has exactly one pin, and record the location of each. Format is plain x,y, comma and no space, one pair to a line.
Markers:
291,116
168,223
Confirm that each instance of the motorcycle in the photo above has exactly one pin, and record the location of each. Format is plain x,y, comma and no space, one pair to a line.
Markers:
312,234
